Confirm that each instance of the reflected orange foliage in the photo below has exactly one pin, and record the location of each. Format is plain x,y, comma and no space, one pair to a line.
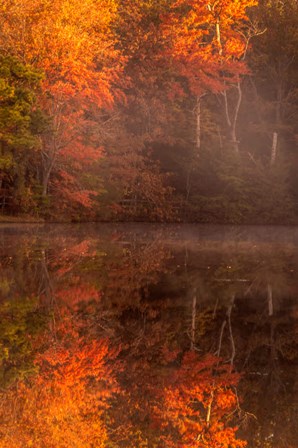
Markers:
64,405
198,404
75,294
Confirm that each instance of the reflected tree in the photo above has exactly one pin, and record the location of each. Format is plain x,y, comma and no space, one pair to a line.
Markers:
198,404
65,403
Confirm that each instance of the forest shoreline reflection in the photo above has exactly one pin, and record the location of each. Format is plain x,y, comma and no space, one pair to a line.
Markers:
148,336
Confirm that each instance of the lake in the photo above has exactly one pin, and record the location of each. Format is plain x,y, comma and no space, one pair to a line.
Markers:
141,335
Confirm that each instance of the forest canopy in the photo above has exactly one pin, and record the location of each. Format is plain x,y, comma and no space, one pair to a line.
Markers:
156,110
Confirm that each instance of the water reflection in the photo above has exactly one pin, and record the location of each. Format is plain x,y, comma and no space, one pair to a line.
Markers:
141,337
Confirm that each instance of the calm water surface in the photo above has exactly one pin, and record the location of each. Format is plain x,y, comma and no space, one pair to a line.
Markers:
148,336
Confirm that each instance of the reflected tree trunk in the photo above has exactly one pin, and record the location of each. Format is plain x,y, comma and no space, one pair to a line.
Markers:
270,299
193,319
192,334
46,289
220,337
229,311
45,284
274,148
228,322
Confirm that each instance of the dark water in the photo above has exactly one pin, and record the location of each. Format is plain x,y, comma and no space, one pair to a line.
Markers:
148,336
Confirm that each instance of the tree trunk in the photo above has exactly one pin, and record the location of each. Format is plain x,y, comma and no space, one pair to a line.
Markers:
274,148
48,161
198,125
232,116
45,182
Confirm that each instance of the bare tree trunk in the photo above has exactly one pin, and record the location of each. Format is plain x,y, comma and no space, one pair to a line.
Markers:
198,125
232,116
274,148
218,36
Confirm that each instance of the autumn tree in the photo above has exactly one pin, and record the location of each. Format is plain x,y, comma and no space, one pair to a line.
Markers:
73,43
206,43
21,123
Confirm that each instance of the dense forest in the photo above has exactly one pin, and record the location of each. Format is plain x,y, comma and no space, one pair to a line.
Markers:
155,110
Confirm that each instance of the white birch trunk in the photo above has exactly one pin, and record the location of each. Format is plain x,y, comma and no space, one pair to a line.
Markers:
198,125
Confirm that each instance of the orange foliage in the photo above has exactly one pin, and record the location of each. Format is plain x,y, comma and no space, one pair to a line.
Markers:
72,42
68,190
197,406
206,42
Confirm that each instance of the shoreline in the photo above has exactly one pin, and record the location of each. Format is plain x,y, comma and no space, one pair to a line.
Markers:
31,220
